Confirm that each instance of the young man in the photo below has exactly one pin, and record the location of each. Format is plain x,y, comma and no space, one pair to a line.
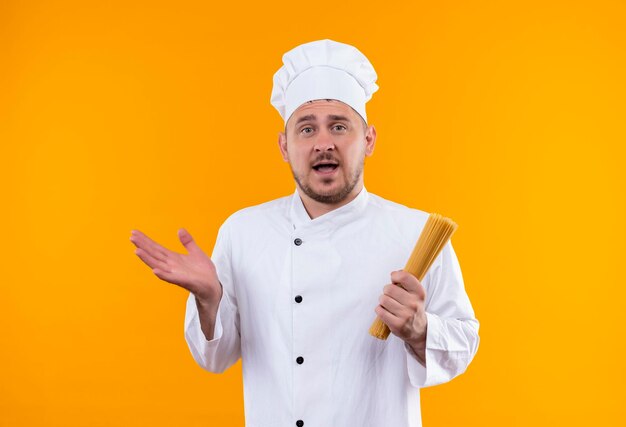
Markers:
294,284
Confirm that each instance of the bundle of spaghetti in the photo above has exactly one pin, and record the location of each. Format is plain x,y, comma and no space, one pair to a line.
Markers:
434,236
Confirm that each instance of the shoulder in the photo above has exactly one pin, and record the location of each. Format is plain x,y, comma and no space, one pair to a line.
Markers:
399,213
409,222
406,221
259,215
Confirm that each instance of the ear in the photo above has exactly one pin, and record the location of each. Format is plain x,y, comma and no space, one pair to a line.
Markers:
282,145
370,140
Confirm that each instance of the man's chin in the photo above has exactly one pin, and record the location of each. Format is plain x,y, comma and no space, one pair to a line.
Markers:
330,191
327,195
326,190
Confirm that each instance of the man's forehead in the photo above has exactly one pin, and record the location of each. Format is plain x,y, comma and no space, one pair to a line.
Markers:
341,109
313,117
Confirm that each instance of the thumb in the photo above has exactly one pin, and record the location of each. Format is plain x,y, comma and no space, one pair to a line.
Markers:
187,241
421,291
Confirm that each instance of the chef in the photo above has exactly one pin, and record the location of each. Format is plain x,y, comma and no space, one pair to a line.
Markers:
293,284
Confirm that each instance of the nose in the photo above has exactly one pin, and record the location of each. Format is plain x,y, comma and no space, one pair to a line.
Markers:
324,142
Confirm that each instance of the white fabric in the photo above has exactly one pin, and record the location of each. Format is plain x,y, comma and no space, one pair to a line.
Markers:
323,69
348,377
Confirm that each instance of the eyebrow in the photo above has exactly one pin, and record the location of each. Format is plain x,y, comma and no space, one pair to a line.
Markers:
313,117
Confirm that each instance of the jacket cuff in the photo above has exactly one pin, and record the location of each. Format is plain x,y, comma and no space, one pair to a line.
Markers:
423,376
218,330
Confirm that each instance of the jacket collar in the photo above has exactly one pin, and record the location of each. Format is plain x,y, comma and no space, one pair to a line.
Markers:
300,218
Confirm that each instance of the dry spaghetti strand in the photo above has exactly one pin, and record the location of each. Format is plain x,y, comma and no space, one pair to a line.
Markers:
434,236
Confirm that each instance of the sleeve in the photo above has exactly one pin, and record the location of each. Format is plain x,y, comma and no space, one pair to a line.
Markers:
224,349
452,334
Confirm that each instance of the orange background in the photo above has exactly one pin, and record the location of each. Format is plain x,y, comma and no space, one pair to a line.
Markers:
506,116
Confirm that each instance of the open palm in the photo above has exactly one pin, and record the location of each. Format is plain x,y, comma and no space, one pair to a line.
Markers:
194,271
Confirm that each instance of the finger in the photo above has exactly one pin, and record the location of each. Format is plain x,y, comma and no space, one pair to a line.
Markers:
404,278
394,307
397,292
144,242
402,296
187,241
149,245
388,318
408,281
167,276
150,261
421,292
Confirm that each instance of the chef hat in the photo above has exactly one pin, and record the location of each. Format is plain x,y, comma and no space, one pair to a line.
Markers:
323,69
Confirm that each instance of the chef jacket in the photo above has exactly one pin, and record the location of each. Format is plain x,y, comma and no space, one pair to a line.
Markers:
298,300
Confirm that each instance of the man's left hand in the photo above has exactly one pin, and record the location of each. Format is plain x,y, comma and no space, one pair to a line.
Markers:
402,310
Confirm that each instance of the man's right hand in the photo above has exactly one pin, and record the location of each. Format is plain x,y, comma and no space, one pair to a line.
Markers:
194,272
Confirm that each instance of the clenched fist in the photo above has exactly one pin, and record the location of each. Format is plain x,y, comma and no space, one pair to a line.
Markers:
402,309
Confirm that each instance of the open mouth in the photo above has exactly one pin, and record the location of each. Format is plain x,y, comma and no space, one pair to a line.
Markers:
325,168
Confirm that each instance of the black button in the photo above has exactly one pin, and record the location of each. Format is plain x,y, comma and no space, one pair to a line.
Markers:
298,241
299,423
298,299
300,360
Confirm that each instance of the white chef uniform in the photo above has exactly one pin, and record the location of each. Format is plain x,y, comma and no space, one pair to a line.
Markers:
298,299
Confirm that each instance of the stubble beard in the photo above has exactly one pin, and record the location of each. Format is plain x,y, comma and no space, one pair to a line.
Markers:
337,196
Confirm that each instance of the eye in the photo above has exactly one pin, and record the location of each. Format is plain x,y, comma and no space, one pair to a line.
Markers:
305,128
341,127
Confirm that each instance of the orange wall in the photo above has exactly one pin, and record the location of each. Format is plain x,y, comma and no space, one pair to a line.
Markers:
506,116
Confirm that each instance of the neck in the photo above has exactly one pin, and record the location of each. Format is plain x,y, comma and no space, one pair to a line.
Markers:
316,209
